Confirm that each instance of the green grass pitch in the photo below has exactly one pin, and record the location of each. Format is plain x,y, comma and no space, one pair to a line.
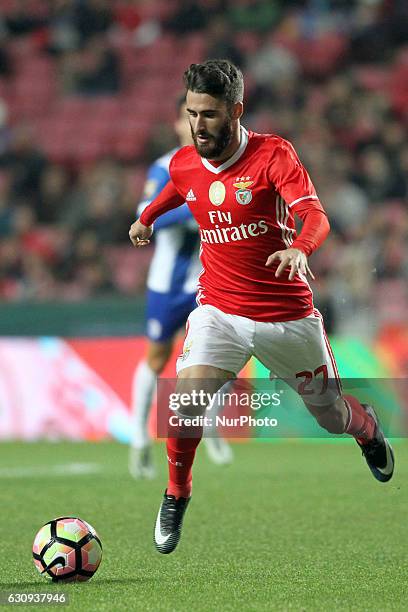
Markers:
292,525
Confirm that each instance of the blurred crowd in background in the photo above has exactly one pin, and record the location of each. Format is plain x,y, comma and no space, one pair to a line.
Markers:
87,100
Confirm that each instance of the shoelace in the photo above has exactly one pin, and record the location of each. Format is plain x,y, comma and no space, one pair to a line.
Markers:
170,505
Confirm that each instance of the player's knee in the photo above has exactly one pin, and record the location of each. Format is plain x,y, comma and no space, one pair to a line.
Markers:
335,424
190,411
334,419
190,402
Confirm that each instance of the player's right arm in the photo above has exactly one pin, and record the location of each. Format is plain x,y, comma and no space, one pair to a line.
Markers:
168,199
157,178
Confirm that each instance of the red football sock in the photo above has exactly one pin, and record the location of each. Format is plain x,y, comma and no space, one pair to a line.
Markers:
180,457
361,425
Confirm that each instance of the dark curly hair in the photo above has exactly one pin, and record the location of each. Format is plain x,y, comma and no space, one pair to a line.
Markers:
218,78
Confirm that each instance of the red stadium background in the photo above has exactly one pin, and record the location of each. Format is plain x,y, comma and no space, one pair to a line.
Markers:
87,101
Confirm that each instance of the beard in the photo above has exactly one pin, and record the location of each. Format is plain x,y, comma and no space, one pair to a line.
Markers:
216,144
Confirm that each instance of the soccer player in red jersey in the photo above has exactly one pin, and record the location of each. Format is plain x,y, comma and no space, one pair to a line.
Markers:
244,190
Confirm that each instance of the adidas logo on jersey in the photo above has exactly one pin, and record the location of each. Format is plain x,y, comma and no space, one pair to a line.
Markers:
190,197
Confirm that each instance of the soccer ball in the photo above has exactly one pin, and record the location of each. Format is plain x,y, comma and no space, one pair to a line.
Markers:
67,549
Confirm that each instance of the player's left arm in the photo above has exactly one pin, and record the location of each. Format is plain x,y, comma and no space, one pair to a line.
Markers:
314,231
293,183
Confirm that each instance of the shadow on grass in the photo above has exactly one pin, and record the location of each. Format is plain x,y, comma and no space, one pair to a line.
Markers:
55,586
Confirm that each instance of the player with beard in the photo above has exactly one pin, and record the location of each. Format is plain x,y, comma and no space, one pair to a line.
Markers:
244,190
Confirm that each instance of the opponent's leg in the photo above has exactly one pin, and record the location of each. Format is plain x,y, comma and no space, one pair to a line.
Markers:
181,448
143,388
218,449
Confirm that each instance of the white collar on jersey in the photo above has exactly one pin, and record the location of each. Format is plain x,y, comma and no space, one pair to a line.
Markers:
238,153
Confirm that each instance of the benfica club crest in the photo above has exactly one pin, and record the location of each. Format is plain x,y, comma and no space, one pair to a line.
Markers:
243,195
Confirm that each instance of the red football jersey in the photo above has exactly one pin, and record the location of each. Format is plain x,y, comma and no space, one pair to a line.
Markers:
245,211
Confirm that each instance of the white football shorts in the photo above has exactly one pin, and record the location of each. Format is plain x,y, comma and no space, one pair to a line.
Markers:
296,351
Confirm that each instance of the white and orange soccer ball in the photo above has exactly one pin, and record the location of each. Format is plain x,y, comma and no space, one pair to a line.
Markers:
67,549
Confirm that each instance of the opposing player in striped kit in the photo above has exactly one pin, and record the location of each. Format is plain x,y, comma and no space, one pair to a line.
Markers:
254,297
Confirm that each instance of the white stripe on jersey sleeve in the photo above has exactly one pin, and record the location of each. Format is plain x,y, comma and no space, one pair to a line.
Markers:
308,197
282,216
